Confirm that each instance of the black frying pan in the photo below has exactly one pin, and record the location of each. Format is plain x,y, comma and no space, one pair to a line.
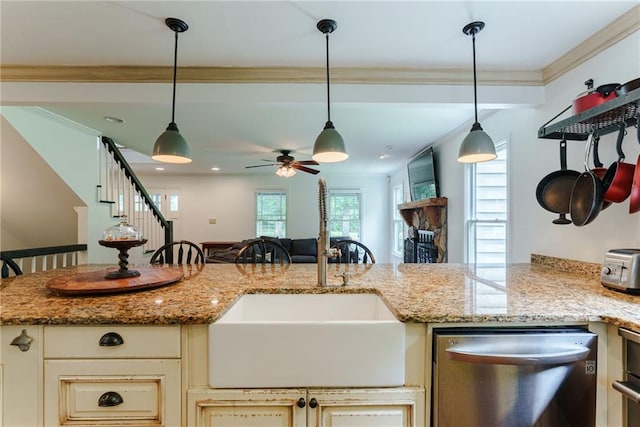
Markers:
587,195
554,190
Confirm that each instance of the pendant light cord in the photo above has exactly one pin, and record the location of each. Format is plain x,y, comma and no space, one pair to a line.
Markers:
475,90
175,70
328,92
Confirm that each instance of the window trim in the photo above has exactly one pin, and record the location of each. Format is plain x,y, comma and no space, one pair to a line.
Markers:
395,216
258,192
470,185
331,191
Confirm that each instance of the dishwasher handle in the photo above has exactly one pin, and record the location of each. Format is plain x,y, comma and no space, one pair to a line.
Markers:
627,389
556,356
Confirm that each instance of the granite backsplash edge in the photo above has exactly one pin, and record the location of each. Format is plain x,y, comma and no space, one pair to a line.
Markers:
566,265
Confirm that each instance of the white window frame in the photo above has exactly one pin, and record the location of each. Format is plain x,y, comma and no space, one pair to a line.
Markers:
471,221
164,195
284,221
397,222
338,191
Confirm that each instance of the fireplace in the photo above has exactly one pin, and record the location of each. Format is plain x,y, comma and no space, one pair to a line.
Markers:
420,248
427,221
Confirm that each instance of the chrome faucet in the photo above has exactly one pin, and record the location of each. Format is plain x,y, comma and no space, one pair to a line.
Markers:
324,252
323,241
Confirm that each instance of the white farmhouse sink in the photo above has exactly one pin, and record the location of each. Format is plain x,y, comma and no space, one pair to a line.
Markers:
307,340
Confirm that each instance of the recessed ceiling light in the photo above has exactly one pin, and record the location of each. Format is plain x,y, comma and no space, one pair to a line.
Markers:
215,169
112,119
159,169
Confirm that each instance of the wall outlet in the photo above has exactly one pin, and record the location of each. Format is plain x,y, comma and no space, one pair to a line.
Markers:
212,220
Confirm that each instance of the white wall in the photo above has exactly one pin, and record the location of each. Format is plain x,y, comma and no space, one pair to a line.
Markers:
230,199
530,159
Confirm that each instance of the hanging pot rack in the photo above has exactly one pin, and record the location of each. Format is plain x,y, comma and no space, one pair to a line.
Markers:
603,119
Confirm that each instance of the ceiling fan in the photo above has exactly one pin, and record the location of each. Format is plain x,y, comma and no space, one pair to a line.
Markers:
285,163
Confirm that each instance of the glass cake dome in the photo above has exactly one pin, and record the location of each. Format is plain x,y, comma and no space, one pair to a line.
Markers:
122,231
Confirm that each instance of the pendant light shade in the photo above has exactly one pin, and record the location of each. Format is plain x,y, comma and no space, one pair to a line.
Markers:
329,146
477,146
171,147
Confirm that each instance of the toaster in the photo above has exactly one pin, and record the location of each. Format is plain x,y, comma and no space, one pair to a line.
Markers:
621,270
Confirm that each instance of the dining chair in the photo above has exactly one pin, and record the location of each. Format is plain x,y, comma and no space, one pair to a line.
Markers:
178,252
9,267
352,252
263,250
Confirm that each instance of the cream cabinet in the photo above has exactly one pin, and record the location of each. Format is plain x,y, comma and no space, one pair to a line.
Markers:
388,407
20,376
112,375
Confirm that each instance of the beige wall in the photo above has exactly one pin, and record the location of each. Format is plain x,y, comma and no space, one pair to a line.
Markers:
36,206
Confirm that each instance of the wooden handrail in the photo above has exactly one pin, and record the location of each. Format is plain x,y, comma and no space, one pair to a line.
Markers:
48,250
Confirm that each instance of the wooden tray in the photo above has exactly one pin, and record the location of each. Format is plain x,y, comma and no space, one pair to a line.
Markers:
94,282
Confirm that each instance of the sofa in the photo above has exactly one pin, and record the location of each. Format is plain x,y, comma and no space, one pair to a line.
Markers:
301,250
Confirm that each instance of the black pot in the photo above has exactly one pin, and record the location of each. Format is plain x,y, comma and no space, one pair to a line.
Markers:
554,190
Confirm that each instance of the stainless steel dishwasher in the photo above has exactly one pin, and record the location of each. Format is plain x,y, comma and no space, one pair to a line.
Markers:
514,377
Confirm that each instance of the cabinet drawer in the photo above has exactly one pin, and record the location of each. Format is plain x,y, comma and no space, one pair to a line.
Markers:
116,341
134,392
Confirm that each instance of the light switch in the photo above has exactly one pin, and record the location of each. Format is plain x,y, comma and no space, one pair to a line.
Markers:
212,220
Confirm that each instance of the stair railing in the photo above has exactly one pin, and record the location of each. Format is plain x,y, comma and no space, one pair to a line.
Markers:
120,187
17,262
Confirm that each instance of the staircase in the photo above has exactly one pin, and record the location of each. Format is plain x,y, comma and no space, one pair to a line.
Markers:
119,187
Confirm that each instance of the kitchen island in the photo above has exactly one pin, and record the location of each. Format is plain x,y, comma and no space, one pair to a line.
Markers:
547,290
165,331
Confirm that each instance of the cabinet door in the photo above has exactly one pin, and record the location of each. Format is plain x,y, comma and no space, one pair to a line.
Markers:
21,377
246,408
402,407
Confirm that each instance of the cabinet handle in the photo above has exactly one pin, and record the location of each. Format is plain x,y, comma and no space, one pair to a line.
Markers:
111,339
301,402
313,403
110,398
22,341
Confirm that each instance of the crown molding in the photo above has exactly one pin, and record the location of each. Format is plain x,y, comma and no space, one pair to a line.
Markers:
346,75
617,30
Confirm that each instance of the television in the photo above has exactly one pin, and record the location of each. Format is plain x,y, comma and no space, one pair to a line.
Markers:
423,177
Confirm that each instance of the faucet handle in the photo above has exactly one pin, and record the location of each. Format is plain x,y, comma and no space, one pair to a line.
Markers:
345,278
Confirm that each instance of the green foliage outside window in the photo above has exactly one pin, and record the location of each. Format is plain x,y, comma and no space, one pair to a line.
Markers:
344,214
271,214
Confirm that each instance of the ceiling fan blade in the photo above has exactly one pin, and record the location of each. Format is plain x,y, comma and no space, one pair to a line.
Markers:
304,168
260,166
307,162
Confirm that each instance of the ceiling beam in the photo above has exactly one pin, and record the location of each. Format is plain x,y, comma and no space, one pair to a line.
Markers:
346,75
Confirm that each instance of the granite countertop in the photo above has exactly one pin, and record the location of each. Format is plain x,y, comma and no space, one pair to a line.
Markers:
546,290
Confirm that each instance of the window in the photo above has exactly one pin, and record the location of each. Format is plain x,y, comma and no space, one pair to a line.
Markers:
397,247
271,213
487,218
165,199
344,214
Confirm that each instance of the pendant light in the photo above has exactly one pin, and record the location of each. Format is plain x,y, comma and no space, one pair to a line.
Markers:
171,147
477,146
329,145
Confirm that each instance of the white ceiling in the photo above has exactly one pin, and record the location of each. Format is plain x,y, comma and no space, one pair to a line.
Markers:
232,125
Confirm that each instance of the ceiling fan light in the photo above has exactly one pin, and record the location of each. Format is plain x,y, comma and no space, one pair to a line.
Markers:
285,171
477,146
171,147
329,146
